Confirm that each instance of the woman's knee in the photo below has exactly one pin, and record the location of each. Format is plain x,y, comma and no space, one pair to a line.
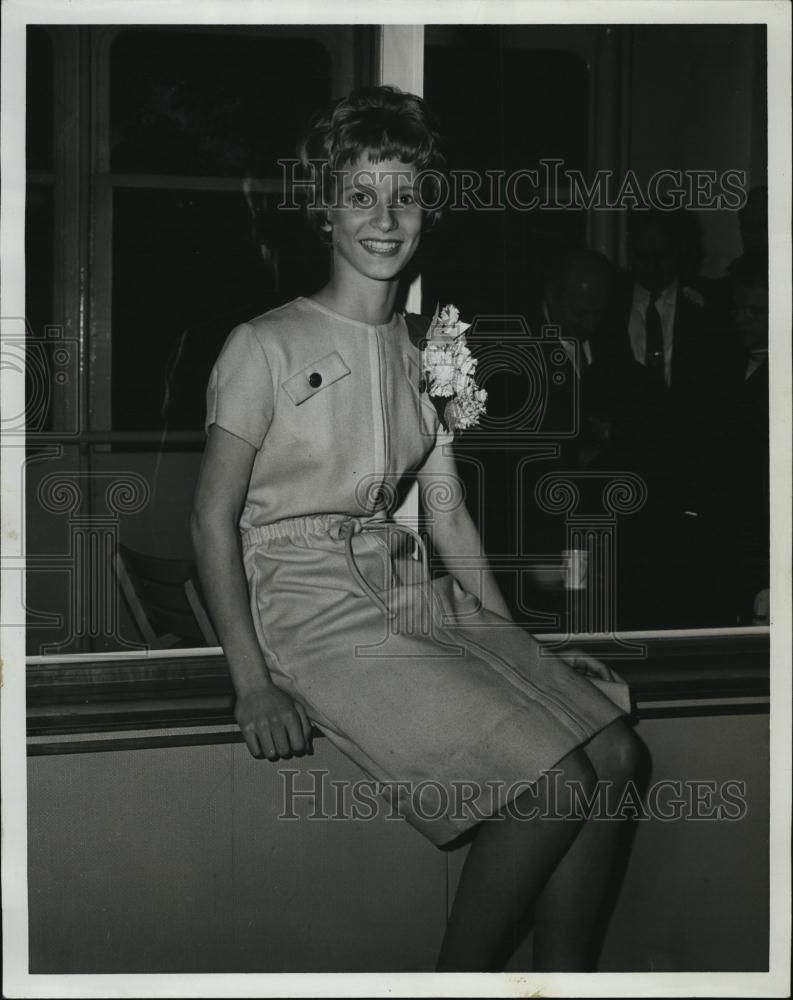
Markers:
618,754
573,771
559,790
572,780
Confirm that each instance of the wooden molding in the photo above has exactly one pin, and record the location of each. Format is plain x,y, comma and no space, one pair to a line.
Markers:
684,673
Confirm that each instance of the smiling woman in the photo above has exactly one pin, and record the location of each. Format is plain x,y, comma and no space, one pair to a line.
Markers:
377,229
156,840
316,419
368,187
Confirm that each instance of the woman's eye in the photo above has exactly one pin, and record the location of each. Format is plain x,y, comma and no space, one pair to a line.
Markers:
360,199
407,199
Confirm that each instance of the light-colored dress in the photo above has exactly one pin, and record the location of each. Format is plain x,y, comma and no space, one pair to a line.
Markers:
452,708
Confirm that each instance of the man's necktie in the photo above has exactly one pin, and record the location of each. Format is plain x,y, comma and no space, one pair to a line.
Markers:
654,345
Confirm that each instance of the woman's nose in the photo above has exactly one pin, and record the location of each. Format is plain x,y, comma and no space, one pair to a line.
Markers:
385,218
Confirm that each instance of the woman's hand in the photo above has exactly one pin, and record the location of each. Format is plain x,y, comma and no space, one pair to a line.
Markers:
272,723
589,666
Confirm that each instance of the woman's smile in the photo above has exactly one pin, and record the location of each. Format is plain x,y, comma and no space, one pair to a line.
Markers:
377,225
381,248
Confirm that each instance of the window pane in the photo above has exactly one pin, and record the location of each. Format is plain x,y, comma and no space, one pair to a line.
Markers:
187,267
39,305
39,99
38,257
211,104
501,109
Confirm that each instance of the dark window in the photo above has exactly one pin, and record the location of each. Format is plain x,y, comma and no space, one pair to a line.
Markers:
205,104
501,108
38,257
187,267
39,99
39,212
198,121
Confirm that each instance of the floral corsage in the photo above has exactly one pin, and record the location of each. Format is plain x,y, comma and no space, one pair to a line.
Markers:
448,368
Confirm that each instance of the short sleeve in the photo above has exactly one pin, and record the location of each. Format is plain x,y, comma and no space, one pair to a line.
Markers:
240,390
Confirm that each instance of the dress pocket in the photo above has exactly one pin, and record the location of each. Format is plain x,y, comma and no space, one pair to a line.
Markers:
315,377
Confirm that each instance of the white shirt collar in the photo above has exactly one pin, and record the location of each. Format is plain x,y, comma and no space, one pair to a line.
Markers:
641,296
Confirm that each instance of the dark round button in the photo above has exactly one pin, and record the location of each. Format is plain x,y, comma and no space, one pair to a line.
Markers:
315,380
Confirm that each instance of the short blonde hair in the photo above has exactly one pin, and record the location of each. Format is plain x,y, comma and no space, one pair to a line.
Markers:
383,122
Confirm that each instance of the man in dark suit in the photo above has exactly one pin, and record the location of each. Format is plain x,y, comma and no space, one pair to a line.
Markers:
608,384
753,226
603,388
659,306
661,314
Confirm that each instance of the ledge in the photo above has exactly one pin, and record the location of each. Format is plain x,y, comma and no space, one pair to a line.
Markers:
79,696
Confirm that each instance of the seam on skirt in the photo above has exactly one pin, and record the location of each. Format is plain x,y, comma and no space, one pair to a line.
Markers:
509,672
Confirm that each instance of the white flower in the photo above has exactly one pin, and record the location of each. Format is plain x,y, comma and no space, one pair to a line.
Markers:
450,315
443,381
449,367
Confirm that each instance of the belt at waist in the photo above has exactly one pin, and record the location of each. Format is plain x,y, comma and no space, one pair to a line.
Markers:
340,527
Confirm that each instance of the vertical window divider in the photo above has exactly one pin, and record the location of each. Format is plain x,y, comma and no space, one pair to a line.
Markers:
70,219
100,259
401,64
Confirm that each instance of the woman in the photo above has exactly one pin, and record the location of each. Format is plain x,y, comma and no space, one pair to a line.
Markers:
316,416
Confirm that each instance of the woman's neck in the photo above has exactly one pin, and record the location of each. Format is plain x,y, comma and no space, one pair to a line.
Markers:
373,303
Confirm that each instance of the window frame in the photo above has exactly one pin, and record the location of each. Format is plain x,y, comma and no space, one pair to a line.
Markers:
124,701
104,182
83,191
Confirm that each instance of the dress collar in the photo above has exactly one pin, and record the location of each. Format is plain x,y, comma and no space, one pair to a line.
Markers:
386,327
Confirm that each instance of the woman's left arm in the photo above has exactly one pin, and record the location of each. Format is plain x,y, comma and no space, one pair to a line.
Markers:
454,535
452,529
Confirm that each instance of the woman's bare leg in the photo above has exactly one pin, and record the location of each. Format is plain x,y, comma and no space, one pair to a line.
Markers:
507,865
574,906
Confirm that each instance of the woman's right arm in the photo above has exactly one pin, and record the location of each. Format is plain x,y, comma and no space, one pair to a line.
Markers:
272,724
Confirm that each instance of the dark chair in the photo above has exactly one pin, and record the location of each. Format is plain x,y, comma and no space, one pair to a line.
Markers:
164,598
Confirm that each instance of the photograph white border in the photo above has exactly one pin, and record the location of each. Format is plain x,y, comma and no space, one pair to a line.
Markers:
16,14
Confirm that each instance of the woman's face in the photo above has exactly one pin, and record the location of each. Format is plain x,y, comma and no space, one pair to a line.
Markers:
376,220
